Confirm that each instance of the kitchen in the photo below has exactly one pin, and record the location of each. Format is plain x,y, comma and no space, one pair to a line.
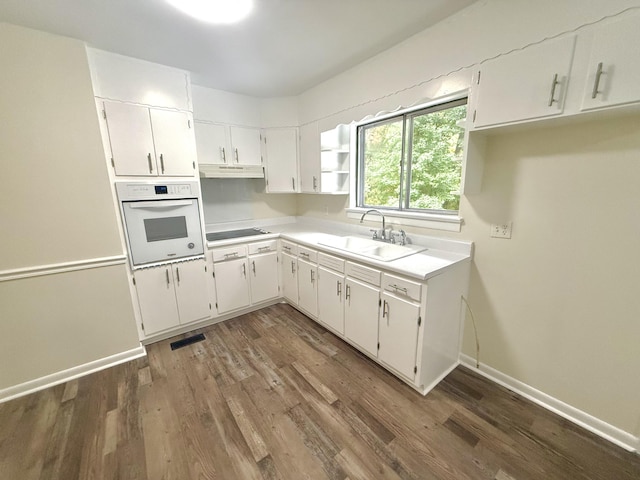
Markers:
555,305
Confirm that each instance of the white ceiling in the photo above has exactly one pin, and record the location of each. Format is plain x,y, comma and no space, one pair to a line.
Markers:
283,48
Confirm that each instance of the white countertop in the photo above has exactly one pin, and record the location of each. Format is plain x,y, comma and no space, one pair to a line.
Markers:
440,253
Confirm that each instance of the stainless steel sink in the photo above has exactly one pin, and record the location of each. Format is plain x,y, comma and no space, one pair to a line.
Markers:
366,247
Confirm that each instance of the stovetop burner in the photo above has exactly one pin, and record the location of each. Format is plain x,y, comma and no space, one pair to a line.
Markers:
245,232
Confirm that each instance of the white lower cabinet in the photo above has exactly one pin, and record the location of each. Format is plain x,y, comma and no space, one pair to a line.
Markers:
232,285
331,299
264,277
361,315
290,278
231,273
398,332
172,295
307,287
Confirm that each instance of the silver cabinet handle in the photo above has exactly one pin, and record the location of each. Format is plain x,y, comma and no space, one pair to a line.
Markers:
253,267
312,276
596,83
237,159
162,163
293,183
293,267
223,155
231,255
287,248
347,294
554,84
338,288
385,309
178,274
264,249
315,182
304,254
167,275
244,270
150,164
402,289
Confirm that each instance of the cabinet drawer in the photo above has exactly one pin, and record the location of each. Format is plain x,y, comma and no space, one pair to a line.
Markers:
229,253
263,247
288,247
307,254
363,273
329,261
401,286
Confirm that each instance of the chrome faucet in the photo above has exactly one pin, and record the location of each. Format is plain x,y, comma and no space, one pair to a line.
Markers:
384,228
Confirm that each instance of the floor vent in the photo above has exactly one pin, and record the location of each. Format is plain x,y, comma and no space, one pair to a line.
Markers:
187,341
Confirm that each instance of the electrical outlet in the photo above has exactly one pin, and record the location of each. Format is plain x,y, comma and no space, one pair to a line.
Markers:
501,230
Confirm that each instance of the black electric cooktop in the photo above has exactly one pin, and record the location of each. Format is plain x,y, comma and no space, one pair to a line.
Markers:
245,232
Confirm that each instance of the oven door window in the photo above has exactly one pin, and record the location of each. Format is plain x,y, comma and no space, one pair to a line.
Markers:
165,228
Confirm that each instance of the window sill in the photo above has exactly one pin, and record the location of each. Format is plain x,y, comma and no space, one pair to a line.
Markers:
449,223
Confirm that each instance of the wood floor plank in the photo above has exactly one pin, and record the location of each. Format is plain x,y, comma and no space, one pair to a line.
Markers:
272,395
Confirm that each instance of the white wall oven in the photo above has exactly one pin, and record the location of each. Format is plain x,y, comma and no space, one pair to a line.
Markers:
161,220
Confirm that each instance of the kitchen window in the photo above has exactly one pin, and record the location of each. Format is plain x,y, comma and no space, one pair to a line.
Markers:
411,162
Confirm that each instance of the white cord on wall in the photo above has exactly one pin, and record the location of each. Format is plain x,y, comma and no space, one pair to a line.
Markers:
475,331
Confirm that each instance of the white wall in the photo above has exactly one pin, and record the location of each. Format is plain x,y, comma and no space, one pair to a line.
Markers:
55,208
557,305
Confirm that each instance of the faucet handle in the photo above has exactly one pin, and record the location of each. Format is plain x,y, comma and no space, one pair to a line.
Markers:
374,233
400,233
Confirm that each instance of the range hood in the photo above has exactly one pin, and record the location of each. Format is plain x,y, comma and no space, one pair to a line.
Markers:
231,171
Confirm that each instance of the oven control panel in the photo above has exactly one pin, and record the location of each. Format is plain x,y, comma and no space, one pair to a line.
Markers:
156,191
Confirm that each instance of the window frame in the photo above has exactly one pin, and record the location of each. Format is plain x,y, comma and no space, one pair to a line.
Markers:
407,117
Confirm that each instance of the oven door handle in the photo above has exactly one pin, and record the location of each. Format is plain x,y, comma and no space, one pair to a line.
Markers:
160,204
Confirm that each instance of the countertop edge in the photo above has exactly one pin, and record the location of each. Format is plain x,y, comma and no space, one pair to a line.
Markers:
298,237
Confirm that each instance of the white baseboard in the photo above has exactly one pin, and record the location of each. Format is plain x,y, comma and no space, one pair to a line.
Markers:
605,430
70,374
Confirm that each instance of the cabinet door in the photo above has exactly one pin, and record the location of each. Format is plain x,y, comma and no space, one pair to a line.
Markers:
281,149
290,278
246,145
361,315
309,158
331,299
232,285
524,85
212,143
191,290
157,299
307,287
399,334
264,277
174,142
131,139
614,65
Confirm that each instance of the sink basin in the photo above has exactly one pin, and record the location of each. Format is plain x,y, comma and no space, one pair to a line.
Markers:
377,250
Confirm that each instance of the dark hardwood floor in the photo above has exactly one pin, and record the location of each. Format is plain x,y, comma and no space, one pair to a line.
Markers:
271,395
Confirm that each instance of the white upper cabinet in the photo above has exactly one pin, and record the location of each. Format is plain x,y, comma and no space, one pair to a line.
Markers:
524,85
148,141
131,139
174,142
212,143
324,159
220,144
613,76
310,158
281,159
245,144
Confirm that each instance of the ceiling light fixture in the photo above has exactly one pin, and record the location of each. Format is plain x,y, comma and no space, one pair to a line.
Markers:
214,11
